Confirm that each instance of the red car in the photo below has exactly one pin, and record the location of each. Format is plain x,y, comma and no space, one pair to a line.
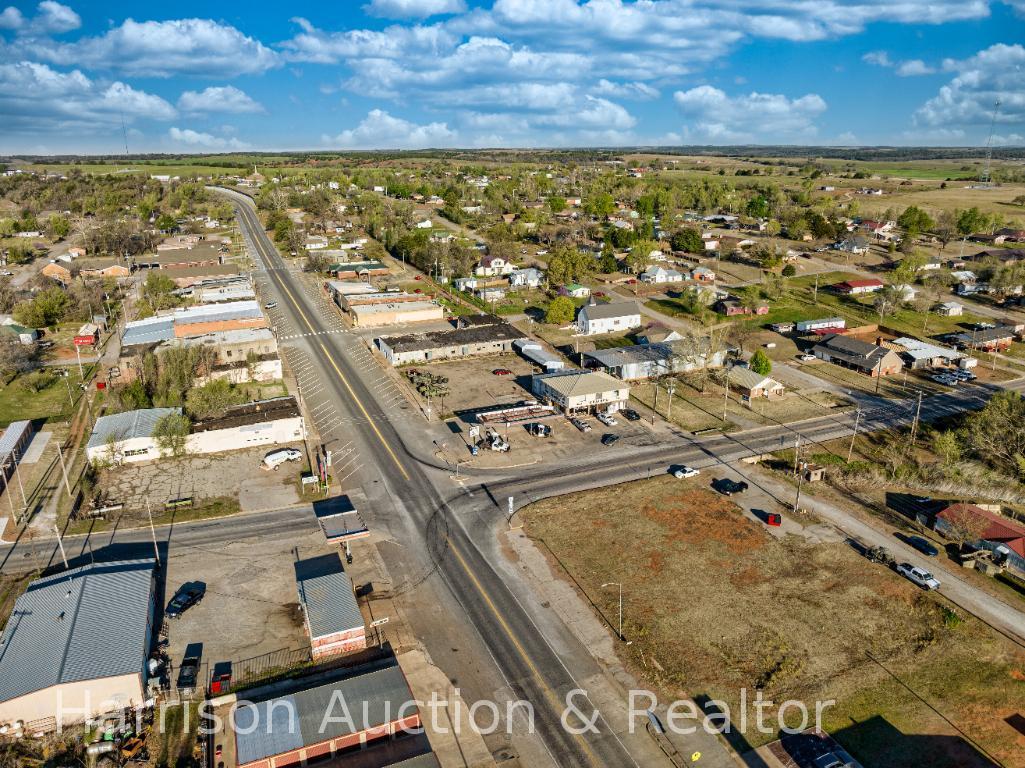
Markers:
419,277
774,519
502,372
599,294
417,291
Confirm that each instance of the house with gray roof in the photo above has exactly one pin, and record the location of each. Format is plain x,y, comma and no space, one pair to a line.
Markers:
76,645
862,356
611,317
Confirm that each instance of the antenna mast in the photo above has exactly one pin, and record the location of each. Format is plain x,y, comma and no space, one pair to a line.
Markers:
985,179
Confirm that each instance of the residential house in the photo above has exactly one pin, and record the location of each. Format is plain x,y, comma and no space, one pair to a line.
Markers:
753,385
826,323
613,317
997,339
11,329
949,309
854,245
100,268
490,293
526,278
732,307
57,272
702,275
657,275
847,352
491,266
859,286
579,391
425,224
575,291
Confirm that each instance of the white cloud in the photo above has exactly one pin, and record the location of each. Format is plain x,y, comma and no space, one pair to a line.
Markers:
198,47
879,58
191,138
54,18
226,98
632,90
413,9
764,117
914,68
36,98
380,130
11,18
994,74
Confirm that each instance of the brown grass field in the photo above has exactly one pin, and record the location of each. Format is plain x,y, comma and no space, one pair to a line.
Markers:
714,604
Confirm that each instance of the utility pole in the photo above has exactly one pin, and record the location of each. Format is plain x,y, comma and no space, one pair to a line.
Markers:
620,585
60,544
914,424
850,452
670,390
815,292
797,501
797,451
153,532
726,395
64,469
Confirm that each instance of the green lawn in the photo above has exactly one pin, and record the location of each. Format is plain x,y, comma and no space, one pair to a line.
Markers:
17,402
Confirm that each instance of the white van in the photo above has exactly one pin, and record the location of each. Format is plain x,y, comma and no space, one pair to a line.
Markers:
275,459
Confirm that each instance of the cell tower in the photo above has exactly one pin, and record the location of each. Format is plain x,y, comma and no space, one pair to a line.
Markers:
985,177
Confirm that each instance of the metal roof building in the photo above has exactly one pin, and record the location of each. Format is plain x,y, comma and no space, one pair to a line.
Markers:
290,728
328,599
77,640
130,425
12,447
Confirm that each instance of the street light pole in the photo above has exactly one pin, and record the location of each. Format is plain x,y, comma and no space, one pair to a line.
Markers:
620,585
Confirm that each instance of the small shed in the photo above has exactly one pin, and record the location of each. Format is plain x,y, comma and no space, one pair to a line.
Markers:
333,619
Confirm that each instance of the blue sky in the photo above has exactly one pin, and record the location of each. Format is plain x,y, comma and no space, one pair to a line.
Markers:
383,74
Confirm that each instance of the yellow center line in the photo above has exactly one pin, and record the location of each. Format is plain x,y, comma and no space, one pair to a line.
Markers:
344,381
549,693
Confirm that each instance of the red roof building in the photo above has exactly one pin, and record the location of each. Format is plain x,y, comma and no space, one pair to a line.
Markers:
999,529
852,287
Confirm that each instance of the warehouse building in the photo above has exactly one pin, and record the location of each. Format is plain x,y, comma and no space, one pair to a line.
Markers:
331,613
643,361
76,646
128,436
193,321
396,313
294,723
476,336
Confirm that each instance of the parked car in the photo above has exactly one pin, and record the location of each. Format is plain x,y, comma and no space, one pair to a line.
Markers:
922,544
275,459
631,414
683,472
188,672
609,439
944,378
580,424
917,575
270,305
806,358
728,487
537,429
607,419
775,519
189,594
6,273
502,372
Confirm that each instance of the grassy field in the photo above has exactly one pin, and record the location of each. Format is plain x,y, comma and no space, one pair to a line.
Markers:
18,402
714,604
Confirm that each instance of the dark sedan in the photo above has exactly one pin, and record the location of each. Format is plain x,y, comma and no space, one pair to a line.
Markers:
923,545
188,595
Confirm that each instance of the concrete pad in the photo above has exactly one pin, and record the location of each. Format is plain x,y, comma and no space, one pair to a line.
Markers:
36,447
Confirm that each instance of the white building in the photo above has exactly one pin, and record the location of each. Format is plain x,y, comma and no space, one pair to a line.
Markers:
616,317
493,266
657,275
528,278
579,391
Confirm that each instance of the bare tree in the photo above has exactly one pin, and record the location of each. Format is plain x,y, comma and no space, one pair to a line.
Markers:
964,526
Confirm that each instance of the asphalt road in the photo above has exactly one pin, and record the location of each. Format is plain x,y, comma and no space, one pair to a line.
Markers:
447,533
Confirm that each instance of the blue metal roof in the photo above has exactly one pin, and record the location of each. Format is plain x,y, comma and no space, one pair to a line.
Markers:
84,624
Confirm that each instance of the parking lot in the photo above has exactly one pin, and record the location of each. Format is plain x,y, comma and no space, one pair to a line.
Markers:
250,607
235,475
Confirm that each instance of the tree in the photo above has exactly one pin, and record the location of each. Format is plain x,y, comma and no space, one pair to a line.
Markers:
170,433
213,399
640,255
600,206
996,434
58,226
607,263
947,446
964,526
688,239
914,221
887,301
556,204
48,308
15,357
970,221
561,311
789,270
760,363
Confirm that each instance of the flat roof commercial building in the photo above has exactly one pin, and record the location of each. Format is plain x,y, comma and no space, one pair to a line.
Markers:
396,313
475,339
194,321
643,361
76,645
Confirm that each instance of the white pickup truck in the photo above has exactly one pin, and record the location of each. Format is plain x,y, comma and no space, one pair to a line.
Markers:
919,576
